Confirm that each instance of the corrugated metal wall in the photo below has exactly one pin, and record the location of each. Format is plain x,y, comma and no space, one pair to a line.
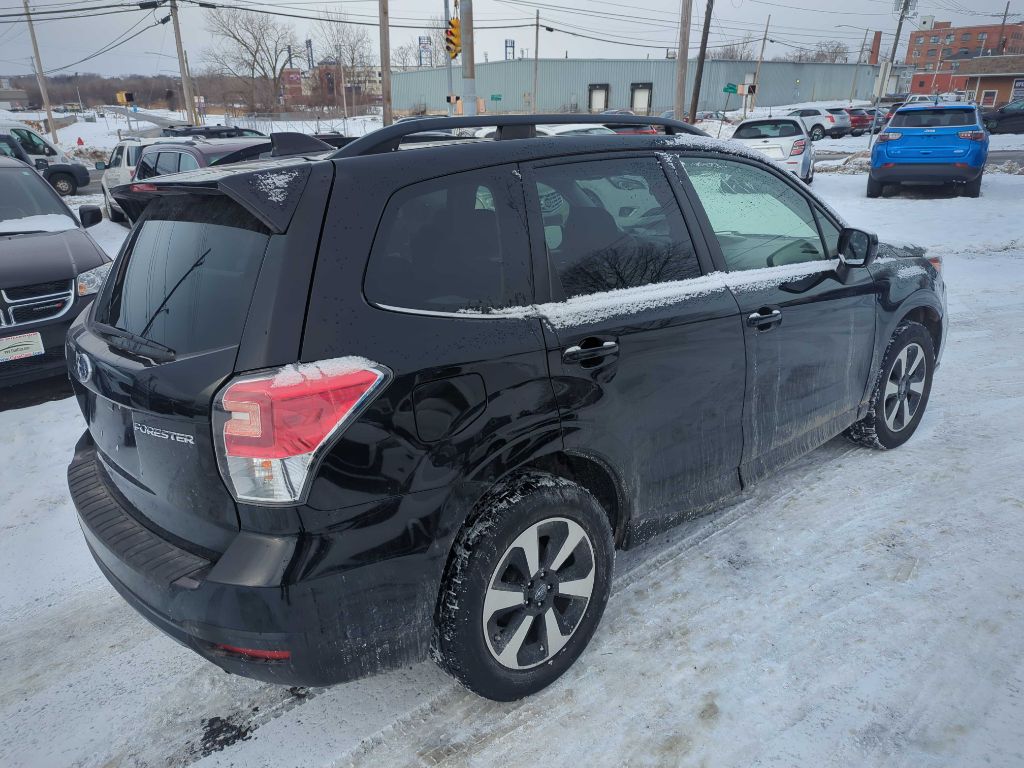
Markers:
563,84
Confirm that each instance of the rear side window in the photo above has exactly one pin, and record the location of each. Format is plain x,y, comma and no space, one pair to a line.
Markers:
932,118
146,166
190,274
187,163
133,151
611,224
167,162
457,243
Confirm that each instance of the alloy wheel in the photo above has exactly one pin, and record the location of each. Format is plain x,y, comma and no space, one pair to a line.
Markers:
63,186
538,594
904,388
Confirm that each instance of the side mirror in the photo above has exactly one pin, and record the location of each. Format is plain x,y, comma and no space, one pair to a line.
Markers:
42,165
857,248
101,166
90,215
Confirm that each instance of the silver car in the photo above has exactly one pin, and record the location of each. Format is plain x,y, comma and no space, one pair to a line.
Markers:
783,139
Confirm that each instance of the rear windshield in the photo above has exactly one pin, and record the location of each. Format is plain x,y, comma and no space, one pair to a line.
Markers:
190,274
769,129
837,111
932,118
857,112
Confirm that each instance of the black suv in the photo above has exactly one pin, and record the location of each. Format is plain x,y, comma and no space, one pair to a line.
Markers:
348,410
50,269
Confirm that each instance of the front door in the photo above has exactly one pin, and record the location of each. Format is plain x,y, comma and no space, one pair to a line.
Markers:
809,322
646,355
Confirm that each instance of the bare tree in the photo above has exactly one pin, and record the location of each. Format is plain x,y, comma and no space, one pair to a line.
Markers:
405,57
832,51
253,48
741,51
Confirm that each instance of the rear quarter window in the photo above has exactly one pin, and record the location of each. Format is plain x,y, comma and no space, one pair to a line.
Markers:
189,275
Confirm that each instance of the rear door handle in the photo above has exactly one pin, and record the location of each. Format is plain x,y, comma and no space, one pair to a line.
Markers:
759,318
578,354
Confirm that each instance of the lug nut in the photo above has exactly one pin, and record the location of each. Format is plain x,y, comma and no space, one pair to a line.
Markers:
549,587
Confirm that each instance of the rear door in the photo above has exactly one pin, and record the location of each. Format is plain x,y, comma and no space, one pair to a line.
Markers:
931,134
809,325
163,338
646,354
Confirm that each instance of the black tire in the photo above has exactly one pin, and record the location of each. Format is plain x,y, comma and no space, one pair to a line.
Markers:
972,188
531,504
817,133
875,430
875,187
857,132
64,183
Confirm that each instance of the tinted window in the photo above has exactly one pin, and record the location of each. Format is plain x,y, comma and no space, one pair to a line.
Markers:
23,196
612,224
837,111
759,219
133,153
454,243
146,166
187,163
31,143
932,118
190,274
767,130
116,155
167,162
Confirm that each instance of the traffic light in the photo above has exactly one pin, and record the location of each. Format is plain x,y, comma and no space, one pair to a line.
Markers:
453,38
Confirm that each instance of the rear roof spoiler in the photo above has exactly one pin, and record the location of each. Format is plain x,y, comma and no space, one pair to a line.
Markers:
270,189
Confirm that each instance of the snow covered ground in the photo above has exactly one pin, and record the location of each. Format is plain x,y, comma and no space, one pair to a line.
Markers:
859,609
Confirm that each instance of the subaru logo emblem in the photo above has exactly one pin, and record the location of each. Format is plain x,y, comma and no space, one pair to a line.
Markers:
83,367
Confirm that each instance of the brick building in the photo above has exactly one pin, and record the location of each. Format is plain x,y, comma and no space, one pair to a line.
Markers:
995,79
939,52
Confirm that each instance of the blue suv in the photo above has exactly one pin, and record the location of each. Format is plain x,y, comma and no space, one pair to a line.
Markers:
932,144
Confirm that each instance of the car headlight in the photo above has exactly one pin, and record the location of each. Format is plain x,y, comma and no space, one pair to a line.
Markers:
90,282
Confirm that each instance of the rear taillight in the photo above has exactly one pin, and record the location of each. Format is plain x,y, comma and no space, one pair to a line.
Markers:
973,135
798,147
936,261
273,428
885,136
831,118
143,187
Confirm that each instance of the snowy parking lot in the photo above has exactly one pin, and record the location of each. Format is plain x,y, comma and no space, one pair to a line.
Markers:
860,608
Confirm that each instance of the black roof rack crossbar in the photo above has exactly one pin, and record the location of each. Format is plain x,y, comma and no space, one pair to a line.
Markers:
509,127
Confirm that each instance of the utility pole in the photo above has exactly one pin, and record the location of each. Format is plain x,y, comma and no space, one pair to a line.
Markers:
856,70
747,100
448,65
904,10
186,86
40,77
682,58
700,60
385,61
195,93
468,63
536,61
1002,30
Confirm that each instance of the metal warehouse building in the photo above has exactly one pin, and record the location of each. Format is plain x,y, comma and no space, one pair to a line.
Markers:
643,85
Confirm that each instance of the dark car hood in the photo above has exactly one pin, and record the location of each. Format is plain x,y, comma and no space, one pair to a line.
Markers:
40,258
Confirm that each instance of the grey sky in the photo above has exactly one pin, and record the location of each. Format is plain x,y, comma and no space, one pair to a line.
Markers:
651,24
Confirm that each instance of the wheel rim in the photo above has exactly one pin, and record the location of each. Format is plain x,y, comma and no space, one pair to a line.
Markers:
904,388
538,594
63,186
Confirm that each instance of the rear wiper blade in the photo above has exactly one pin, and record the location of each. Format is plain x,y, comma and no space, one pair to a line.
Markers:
133,341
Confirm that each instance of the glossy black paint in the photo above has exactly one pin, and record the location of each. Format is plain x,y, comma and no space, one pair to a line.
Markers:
683,410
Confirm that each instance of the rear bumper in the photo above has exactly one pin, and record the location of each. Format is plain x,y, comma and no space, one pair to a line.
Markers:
337,625
935,173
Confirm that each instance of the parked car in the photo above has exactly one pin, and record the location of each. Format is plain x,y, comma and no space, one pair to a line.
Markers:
931,144
171,155
669,114
62,172
119,169
1009,118
891,110
820,122
566,129
211,131
877,117
324,436
627,128
783,139
50,269
860,120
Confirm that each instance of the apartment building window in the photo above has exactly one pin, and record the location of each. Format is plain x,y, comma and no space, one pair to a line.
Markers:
931,53
965,37
947,52
982,36
933,39
920,39
916,54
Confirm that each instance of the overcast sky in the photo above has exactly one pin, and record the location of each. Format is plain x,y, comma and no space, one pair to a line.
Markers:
650,28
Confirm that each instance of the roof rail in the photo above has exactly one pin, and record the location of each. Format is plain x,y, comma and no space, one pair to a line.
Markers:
509,127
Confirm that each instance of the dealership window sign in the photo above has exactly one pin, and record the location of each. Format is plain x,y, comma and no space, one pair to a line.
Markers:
1018,89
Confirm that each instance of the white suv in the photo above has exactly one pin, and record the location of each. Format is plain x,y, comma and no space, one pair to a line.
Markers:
120,169
820,122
